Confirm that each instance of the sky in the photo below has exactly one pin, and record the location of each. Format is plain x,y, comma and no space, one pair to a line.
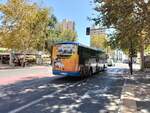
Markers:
75,10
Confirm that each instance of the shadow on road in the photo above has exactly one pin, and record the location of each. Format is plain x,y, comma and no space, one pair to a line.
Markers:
100,93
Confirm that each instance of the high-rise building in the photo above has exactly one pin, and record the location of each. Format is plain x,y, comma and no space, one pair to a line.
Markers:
66,25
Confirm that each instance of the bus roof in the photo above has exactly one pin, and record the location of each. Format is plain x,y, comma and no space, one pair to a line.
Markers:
79,44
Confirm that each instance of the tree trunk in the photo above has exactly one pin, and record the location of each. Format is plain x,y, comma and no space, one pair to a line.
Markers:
131,65
142,56
11,59
44,45
24,60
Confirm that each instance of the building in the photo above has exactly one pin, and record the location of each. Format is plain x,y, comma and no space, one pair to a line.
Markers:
66,25
96,31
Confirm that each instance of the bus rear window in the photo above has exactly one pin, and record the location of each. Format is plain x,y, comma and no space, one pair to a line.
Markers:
66,49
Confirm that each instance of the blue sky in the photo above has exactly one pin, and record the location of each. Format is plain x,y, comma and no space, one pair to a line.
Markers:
76,10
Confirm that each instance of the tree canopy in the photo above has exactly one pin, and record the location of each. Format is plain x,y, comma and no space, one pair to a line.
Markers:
129,18
26,26
23,24
99,41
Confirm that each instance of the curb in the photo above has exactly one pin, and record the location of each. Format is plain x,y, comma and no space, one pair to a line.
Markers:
128,103
32,67
6,68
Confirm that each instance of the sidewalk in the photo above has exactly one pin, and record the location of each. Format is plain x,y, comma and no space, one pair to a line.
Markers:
136,93
6,66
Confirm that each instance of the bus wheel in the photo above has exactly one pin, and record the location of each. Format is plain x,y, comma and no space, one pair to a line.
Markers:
82,71
85,72
103,67
97,69
90,72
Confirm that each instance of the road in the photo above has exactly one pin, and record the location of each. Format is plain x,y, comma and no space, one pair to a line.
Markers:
54,94
11,76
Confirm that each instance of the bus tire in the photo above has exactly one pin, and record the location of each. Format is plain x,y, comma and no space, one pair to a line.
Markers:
83,72
97,69
86,71
90,71
104,67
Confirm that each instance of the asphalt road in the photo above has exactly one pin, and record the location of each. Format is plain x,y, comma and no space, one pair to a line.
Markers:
97,94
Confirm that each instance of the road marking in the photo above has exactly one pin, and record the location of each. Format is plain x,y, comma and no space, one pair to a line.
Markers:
26,106
35,102
42,98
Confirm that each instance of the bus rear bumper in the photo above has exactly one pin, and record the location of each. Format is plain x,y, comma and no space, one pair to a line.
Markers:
56,72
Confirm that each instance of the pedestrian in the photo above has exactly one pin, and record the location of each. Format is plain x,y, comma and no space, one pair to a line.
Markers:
130,66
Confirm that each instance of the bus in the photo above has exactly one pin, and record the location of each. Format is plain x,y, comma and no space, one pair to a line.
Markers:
75,59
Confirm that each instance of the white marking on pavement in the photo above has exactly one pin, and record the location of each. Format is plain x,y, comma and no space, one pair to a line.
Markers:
26,106
41,99
86,95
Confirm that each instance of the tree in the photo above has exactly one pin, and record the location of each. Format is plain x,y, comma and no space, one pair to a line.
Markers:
99,41
130,19
23,25
57,36
68,35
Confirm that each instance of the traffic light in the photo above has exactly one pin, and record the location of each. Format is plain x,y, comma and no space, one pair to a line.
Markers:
88,31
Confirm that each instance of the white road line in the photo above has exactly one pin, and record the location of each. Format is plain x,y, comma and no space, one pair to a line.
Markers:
41,99
26,106
34,102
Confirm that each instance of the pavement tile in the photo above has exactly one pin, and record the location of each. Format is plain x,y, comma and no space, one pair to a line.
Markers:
128,99
136,94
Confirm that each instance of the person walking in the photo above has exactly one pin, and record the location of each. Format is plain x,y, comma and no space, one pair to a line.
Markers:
130,67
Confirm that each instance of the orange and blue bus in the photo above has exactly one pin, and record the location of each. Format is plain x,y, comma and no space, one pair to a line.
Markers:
75,59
